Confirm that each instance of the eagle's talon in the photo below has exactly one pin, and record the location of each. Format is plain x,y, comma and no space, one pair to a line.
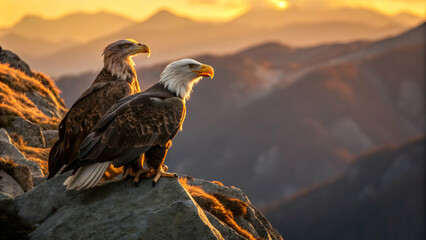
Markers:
176,176
136,184
165,168
153,183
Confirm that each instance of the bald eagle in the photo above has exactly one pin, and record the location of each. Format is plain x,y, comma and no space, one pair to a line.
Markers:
116,80
143,123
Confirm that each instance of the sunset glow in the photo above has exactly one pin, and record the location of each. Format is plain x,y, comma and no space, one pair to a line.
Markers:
11,11
280,4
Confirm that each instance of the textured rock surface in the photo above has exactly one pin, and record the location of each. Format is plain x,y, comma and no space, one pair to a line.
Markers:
226,232
50,137
4,136
252,221
114,211
211,187
45,104
14,61
8,150
9,186
22,175
29,132
5,196
119,210
38,180
35,169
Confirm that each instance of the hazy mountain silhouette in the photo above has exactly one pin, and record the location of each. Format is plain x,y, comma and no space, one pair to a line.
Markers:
273,19
171,37
380,196
291,117
32,47
76,27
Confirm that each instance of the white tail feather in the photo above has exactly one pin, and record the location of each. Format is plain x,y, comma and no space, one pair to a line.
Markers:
87,176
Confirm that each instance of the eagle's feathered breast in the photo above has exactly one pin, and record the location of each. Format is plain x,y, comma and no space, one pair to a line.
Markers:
132,126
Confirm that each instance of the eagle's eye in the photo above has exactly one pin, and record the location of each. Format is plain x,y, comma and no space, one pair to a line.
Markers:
127,45
191,65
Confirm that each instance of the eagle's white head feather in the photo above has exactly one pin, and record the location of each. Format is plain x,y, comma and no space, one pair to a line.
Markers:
180,76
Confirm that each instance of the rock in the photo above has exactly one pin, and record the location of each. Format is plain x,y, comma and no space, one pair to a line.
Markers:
4,196
35,169
114,211
22,175
9,186
212,188
226,232
30,133
119,210
45,104
4,137
245,218
15,62
11,226
50,137
38,180
8,150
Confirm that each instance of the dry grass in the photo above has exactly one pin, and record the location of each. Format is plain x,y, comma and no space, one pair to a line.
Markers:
49,84
7,165
38,155
13,101
220,206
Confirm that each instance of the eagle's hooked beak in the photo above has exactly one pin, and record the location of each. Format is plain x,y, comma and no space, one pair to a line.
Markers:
205,71
141,48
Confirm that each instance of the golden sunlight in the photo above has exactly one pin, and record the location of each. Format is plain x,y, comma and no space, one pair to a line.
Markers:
280,4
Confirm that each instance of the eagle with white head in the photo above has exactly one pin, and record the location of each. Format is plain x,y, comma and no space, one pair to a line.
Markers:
143,123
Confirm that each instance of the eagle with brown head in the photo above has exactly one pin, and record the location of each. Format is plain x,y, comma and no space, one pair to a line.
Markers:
116,80
143,123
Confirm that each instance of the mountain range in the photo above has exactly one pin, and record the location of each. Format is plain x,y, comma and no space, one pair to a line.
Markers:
380,196
73,44
276,119
75,27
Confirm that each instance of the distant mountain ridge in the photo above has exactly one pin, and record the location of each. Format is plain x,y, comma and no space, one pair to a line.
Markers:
381,189
171,36
75,27
274,19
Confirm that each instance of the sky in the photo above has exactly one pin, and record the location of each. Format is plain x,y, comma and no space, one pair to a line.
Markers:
11,11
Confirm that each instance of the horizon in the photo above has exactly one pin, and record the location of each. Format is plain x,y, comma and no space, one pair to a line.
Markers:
220,12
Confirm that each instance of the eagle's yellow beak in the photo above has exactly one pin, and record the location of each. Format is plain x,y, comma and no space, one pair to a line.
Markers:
205,71
141,48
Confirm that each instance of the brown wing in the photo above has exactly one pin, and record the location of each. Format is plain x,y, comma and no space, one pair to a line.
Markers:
81,118
130,129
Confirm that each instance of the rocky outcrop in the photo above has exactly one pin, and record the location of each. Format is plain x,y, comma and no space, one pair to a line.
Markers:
15,61
50,137
29,132
30,95
9,151
229,210
6,146
120,210
9,186
22,175
30,107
